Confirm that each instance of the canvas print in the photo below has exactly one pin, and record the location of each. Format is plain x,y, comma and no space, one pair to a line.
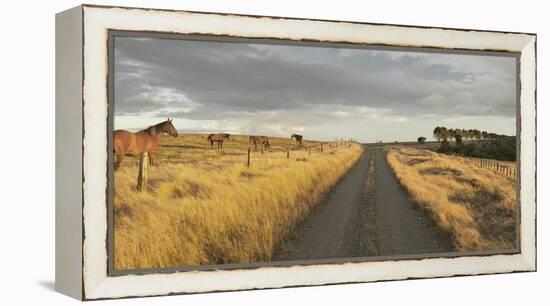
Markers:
232,152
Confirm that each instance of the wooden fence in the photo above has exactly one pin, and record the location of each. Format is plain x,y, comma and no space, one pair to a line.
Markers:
491,164
142,172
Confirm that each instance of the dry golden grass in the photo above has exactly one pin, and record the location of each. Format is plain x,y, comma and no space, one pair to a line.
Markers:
475,205
208,207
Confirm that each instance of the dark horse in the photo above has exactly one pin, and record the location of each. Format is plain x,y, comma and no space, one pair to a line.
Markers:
262,140
297,137
219,138
133,144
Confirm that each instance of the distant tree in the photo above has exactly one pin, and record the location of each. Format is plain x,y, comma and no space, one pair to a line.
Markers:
477,134
471,134
421,139
458,139
437,133
484,135
452,133
445,133
457,134
465,134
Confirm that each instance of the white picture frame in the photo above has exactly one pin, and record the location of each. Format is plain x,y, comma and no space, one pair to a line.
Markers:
81,151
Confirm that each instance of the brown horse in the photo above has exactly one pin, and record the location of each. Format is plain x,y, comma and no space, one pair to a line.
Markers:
133,144
262,140
297,137
219,138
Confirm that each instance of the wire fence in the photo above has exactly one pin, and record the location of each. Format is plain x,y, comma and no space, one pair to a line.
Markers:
291,149
320,147
501,168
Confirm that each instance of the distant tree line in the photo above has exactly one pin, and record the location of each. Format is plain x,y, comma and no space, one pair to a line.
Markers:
445,134
495,146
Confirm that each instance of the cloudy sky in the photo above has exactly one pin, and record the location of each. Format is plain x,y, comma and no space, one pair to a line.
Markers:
322,93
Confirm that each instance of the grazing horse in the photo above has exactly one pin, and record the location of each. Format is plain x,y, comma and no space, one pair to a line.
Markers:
262,140
219,138
133,144
297,137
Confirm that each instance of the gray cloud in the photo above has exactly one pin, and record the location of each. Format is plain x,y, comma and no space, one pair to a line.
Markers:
205,81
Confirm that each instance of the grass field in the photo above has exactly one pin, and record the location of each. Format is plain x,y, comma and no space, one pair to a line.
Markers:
208,207
475,205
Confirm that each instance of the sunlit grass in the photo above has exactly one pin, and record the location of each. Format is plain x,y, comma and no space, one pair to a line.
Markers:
475,205
208,207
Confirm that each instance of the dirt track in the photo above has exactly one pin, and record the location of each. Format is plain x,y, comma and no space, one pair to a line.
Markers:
366,214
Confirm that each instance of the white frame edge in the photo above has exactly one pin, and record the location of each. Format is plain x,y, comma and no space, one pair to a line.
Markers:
68,148
97,21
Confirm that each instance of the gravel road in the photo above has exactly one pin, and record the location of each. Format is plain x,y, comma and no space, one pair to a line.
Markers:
366,214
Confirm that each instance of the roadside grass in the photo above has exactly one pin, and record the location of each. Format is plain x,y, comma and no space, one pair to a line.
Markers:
475,205
207,207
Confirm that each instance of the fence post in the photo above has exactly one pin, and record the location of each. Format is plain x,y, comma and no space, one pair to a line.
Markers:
287,152
309,151
248,159
321,148
142,173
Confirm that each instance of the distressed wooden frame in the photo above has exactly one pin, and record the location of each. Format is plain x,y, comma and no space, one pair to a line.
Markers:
82,140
